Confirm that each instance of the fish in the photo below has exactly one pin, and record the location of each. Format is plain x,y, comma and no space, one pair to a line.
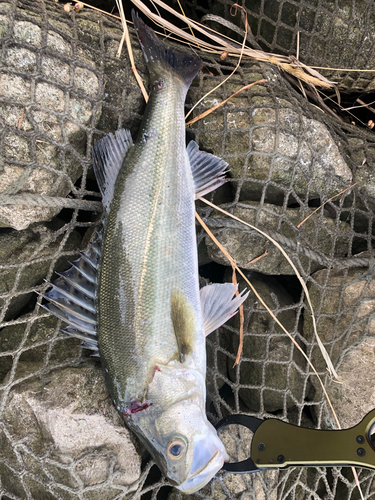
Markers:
133,297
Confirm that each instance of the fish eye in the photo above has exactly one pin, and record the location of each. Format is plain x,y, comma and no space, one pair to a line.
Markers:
176,448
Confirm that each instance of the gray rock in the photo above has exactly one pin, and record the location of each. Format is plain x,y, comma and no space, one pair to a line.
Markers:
51,96
26,257
354,396
334,35
75,435
343,302
268,139
218,349
271,370
41,343
321,234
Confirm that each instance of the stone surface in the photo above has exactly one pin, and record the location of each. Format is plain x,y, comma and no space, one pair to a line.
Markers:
354,396
269,139
73,431
26,257
45,121
41,343
332,35
271,369
344,303
320,234
217,347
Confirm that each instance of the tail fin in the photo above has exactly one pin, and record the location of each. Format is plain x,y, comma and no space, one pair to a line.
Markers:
159,58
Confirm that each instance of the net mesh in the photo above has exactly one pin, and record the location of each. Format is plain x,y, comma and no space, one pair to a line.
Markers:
286,158
329,34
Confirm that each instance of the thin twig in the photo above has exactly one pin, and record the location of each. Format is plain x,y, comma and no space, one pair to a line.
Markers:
208,111
362,104
233,72
242,319
233,263
126,37
320,344
257,258
322,205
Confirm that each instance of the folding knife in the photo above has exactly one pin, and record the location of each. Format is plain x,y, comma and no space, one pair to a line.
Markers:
277,444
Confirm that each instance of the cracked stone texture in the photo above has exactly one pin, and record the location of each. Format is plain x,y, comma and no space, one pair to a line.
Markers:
44,124
344,303
270,362
75,437
321,234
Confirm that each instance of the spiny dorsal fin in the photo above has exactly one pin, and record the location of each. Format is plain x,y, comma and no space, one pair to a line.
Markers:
218,304
208,170
72,297
107,158
183,320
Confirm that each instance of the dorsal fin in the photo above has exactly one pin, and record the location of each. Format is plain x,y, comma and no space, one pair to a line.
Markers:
208,170
72,297
107,158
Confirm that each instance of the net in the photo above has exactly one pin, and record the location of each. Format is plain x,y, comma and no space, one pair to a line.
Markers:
62,88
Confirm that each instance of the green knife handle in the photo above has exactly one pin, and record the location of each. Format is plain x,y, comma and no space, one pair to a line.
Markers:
277,444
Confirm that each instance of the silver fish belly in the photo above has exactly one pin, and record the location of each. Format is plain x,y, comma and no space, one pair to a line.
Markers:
134,296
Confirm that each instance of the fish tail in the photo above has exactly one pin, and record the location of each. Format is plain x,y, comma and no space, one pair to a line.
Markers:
161,60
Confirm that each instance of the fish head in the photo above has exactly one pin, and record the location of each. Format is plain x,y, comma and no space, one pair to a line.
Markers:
184,444
192,450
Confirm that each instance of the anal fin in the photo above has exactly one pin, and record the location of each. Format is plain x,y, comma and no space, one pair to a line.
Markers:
219,304
208,170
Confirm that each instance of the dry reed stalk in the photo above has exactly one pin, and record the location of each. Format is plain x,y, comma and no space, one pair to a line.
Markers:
220,45
325,354
126,38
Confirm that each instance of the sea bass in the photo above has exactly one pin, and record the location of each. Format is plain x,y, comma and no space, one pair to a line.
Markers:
134,296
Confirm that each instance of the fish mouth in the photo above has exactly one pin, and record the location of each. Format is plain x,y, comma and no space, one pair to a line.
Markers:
203,475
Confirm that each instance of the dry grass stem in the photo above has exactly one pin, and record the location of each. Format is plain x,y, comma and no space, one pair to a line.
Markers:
362,104
232,262
208,111
218,45
229,76
126,37
322,205
344,69
242,319
325,354
99,10
258,258
183,13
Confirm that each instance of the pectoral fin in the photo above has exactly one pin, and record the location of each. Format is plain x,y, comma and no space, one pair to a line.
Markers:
208,170
183,320
107,158
218,304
